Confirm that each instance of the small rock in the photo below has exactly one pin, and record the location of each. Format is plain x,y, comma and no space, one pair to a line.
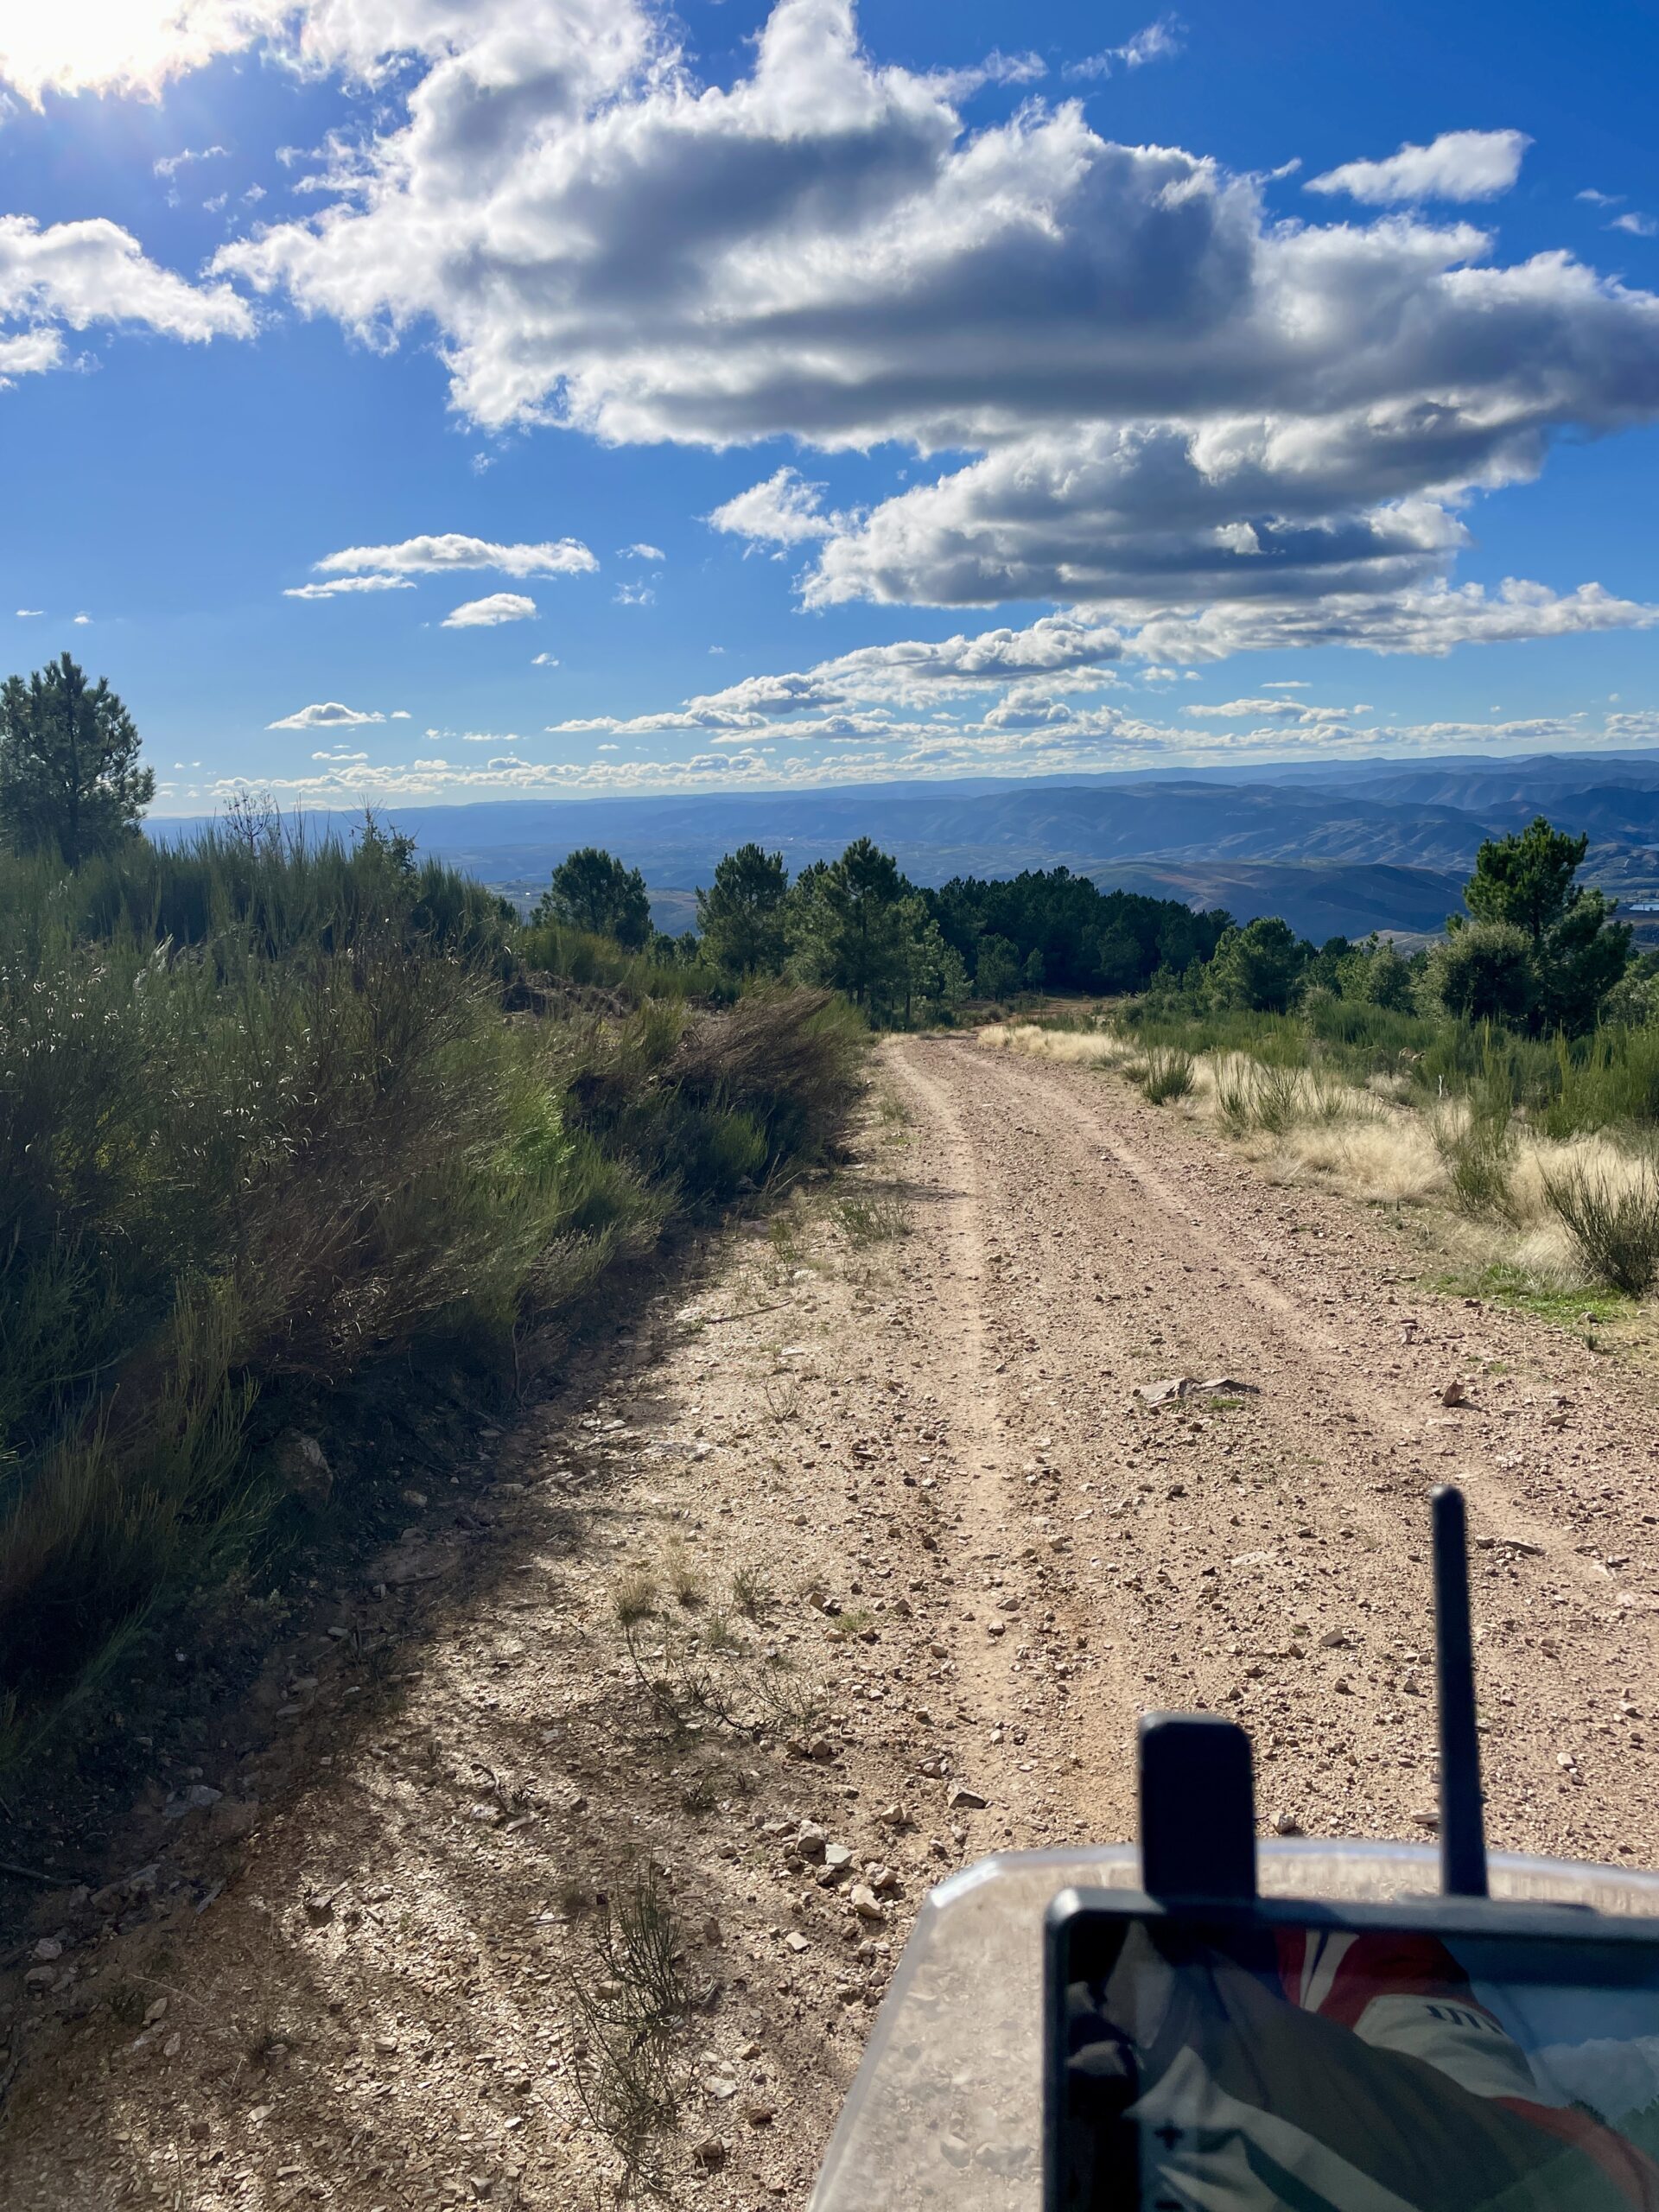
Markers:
1288,1824
962,1799
198,1798
954,2151
760,2115
795,1942
722,2087
866,1903
1335,1639
155,2011
47,1948
837,1855
810,1840
302,1467
416,1498
711,2153
1426,1820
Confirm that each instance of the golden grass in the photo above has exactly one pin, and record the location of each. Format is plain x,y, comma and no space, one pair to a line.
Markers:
1373,1144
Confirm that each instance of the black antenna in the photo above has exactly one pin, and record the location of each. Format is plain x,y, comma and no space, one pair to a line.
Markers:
1463,1834
1198,1807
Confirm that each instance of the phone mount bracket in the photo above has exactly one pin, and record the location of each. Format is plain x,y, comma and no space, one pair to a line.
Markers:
1198,1807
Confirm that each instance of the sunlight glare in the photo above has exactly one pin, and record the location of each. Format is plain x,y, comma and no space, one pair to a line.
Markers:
122,45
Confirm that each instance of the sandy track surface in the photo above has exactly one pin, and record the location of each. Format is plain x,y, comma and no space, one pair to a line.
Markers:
914,1469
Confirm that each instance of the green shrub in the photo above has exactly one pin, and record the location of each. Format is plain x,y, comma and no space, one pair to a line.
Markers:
1606,1079
263,1123
1614,1220
1168,1074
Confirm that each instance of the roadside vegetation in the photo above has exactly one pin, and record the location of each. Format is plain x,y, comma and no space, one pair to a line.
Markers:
275,1111
1511,1071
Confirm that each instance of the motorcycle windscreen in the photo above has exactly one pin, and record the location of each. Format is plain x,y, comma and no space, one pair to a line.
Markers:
1324,2070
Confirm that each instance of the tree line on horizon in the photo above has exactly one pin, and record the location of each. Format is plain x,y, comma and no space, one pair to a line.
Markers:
1534,950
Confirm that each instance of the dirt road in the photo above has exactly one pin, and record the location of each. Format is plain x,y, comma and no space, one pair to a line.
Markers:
911,1471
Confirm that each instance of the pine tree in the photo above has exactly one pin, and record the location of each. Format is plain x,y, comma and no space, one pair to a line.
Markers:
70,782
742,913
591,890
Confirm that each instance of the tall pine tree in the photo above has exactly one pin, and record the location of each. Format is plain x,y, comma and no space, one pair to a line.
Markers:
70,782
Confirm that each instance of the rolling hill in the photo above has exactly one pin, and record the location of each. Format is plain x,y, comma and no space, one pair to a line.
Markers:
1336,847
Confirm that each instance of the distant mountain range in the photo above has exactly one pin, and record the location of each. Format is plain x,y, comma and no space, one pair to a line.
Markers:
1335,847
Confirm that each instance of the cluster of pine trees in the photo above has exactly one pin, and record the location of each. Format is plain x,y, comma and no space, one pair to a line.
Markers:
859,925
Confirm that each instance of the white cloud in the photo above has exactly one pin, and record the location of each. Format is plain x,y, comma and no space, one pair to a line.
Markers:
1639,226
1155,399
69,275
81,620
1164,395
1031,668
170,164
28,352
27,613
339,584
488,613
783,509
437,556
400,714
1598,199
1458,165
1300,711
1159,41
1431,620
641,552
131,46
544,660
326,713
632,595
1029,733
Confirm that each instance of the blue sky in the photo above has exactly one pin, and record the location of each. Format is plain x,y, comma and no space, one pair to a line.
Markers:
758,396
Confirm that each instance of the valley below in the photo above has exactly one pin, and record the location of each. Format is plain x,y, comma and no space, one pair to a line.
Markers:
852,1559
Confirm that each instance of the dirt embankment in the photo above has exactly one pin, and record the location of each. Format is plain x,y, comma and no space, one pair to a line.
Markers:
859,1525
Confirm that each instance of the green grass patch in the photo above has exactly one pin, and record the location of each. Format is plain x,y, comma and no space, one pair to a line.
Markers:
1512,1287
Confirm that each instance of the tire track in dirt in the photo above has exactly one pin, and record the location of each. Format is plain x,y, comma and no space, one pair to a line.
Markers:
984,1649
1304,1330
1138,1246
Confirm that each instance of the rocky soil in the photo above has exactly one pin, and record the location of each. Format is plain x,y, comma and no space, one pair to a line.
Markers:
851,1559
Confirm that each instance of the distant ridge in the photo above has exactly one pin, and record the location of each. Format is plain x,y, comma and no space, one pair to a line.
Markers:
1335,847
